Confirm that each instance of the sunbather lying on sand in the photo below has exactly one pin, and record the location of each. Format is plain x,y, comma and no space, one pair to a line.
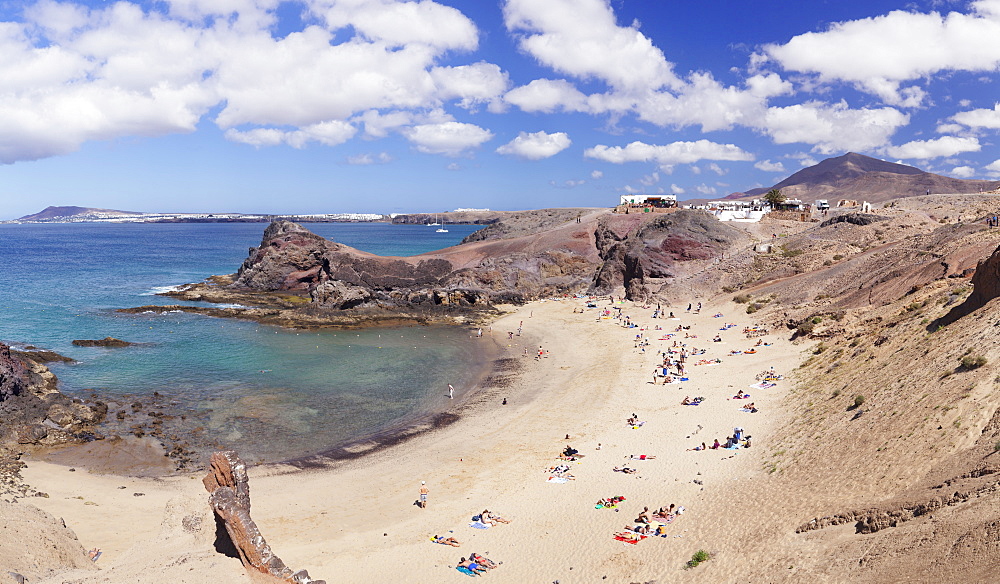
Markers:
484,562
625,470
446,540
640,457
702,447
469,564
487,517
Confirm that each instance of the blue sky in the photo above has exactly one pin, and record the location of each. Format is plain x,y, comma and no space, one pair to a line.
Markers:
399,106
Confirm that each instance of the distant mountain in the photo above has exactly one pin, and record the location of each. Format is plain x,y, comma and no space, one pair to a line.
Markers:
863,178
50,213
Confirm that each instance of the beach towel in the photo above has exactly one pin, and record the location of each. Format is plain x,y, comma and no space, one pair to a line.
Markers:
763,385
479,525
466,571
559,480
630,540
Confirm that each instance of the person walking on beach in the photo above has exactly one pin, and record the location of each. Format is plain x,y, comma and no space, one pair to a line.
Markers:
451,392
423,494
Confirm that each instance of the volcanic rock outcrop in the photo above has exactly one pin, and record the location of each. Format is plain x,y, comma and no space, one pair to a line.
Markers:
296,277
985,287
230,499
32,411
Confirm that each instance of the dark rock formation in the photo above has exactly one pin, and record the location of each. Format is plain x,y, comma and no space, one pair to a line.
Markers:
230,499
297,278
986,287
634,260
855,219
32,411
105,342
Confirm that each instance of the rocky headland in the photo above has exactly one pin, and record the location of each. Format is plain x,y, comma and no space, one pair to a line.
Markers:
33,413
297,278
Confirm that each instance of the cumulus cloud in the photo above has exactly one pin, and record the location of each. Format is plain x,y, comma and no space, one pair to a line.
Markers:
963,172
368,159
401,24
596,174
448,138
833,127
676,189
326,133
768,166
547,95
582,39
668,155
470,84
650,179
536,146
993,168
926,149
73,74
980,118
909,45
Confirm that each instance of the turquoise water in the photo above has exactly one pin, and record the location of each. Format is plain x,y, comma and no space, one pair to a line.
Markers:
272,393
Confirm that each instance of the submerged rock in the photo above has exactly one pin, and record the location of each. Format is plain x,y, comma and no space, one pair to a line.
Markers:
105,342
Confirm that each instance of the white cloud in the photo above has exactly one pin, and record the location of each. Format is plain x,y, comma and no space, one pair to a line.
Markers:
833,127
454,166
448,138
908,45
536,146
768,166
706,189
547,95
367,159
568,184
326,133
401,24
676,189
582,39
803,158
980,118
716,168
993,168
596,174
949,128
963,172
925,149
668,155
471,84
650,179
73,74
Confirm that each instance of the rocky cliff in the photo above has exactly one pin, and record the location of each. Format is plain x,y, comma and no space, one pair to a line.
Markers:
304,277
32,411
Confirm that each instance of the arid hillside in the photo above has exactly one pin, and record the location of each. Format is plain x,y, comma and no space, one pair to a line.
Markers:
887,468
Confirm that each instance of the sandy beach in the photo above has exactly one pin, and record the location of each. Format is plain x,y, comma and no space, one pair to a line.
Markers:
358,520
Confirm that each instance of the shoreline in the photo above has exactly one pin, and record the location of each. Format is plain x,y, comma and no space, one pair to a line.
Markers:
124,456
495,456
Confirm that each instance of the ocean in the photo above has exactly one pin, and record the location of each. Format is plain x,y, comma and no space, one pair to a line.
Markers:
271,393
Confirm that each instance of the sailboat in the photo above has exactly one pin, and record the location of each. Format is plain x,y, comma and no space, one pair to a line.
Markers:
442,229
435,222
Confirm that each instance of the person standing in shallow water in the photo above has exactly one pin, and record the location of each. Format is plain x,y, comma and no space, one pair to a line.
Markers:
451,392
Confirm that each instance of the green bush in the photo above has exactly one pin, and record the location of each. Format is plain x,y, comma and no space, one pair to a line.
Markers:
973,362
742,298
752,308
698,557
805,327
859,400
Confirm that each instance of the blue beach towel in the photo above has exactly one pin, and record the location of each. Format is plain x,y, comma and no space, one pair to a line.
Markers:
466,571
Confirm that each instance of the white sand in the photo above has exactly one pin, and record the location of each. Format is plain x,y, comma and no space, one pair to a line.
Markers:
358,521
